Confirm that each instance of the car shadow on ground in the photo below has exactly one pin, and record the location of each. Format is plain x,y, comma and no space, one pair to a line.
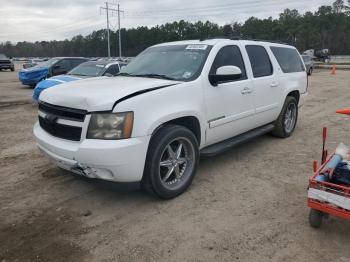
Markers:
133,189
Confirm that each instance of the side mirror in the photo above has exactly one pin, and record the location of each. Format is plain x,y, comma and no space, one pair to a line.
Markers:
225,73
108,74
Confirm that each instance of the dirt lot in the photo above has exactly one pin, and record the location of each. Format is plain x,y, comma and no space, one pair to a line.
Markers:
245,205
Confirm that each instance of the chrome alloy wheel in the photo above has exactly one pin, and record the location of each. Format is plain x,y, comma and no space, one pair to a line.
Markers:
176,163
290,117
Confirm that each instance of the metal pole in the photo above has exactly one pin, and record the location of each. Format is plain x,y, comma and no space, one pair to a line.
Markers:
120,40
109,47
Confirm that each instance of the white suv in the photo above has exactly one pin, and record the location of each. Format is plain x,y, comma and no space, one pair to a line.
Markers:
172,103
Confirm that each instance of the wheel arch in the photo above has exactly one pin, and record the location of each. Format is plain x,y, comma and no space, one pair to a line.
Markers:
189,121
295,94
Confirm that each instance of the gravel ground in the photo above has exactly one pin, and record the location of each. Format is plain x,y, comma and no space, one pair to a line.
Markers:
248,204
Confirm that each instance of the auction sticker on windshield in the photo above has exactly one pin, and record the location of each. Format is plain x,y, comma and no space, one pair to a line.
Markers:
196,47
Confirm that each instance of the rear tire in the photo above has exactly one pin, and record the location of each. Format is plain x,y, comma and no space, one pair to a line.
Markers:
315,218
287,120
171,162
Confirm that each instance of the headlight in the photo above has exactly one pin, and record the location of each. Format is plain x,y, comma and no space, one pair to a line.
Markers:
110,125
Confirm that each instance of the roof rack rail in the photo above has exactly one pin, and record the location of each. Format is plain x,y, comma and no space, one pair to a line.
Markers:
269,41
243,38
214,37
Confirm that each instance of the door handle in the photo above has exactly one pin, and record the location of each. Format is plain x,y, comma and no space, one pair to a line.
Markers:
274,85
246,90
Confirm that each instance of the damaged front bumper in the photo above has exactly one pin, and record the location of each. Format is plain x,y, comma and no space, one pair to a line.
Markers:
113,160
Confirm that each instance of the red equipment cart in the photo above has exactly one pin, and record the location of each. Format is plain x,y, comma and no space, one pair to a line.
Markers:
326,198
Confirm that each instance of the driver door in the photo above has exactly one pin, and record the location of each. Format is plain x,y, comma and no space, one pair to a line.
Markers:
229,105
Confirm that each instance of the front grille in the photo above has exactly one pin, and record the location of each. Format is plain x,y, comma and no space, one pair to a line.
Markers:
6,62
52,113
63,112
59,130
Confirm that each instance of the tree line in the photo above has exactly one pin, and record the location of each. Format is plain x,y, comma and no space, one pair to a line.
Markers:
328,27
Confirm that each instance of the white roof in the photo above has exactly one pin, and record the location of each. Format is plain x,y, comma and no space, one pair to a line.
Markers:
221,40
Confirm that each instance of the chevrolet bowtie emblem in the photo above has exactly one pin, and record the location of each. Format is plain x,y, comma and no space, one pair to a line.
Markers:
51,118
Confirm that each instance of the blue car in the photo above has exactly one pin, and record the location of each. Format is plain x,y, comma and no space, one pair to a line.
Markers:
55,66
84,70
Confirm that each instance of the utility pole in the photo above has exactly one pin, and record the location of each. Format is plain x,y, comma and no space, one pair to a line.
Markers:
120,39
109,44
108,9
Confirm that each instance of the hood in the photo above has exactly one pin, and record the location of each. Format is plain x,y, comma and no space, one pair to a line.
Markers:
50,82
99,93
60,79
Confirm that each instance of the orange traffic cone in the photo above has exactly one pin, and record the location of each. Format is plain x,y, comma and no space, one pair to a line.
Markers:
344,111
333,70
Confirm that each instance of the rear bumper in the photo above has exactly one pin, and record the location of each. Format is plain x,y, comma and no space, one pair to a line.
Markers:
113,160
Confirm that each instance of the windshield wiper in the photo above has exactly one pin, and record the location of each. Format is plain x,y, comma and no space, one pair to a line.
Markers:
155,76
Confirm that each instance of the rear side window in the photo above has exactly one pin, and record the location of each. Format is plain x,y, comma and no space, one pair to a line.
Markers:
229,55
260,61
288,59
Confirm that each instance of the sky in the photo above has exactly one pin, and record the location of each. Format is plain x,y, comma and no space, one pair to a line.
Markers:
36,20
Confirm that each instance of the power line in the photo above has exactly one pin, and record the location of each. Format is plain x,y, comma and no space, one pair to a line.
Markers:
246,3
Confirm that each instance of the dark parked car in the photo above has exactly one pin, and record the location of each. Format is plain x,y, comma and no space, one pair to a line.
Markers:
6,63
52,67
82,71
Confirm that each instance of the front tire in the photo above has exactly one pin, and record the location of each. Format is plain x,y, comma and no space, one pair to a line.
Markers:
287,120
171,162
315,218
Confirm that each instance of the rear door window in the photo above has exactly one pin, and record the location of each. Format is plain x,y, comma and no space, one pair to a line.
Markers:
229,55
260,61
288,59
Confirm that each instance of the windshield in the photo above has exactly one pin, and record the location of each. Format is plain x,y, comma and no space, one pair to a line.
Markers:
177,62
88,69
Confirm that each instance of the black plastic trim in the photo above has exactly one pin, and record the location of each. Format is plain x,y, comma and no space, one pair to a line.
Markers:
63,112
